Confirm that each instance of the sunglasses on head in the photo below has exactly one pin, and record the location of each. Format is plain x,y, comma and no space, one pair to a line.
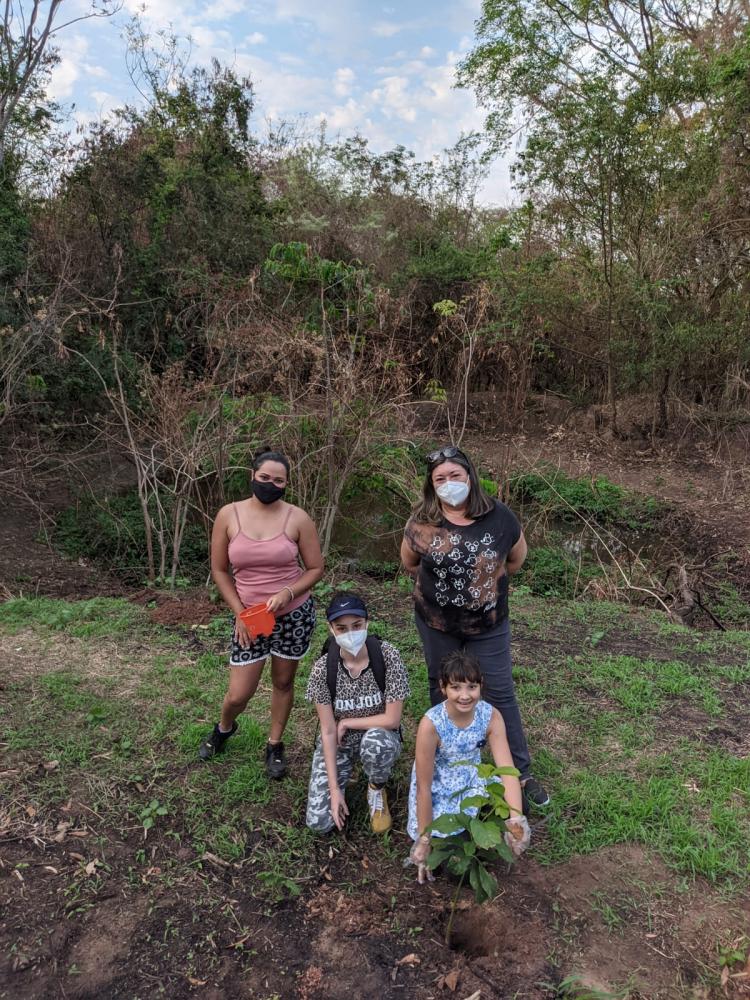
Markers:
444,454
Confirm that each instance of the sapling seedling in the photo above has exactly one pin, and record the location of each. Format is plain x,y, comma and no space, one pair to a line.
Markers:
471,841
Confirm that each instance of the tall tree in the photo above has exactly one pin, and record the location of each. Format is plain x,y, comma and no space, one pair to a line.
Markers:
27,52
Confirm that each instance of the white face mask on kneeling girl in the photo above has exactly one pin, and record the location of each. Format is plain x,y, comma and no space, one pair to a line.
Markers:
352,642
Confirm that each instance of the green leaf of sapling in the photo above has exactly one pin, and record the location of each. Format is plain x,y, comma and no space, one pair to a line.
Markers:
447,823
475,802
485,834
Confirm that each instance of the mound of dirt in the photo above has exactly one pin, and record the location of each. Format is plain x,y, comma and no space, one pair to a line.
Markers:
170,609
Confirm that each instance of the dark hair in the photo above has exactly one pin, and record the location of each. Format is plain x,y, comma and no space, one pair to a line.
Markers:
459,667
267,454
429,511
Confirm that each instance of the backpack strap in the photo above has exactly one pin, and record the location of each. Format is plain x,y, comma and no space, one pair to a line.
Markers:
377,663
332,668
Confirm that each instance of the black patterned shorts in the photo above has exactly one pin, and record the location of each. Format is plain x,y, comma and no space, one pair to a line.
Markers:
290,638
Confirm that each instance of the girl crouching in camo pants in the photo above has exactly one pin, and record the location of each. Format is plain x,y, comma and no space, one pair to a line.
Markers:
359,687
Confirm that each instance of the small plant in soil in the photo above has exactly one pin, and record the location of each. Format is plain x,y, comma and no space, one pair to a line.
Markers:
471,842
150,813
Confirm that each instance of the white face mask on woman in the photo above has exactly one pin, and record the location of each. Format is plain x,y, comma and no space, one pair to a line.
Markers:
453,492
352,642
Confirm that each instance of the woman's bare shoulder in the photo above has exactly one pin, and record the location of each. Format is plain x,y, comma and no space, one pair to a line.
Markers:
226,515
299,518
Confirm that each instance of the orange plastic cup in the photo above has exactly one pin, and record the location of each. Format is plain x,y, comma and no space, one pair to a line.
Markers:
258,621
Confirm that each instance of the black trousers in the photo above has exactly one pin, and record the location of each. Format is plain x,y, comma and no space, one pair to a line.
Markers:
492,649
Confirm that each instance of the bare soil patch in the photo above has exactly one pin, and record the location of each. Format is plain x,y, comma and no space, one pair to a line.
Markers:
610,919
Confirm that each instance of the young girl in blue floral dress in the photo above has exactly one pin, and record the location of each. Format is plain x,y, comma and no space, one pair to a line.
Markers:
455,730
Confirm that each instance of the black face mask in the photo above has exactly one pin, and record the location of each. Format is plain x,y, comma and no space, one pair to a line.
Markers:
267,492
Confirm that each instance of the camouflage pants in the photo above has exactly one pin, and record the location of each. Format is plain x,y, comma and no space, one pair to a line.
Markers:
378,750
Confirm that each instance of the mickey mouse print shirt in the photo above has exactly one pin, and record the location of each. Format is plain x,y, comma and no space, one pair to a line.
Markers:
462,585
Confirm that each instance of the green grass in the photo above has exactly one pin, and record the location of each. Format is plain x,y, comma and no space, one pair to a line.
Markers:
691,808
623,741
593,497
98,617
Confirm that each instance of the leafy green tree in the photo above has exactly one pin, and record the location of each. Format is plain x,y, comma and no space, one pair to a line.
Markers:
618,106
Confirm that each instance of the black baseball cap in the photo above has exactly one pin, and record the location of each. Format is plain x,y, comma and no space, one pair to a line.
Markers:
346,604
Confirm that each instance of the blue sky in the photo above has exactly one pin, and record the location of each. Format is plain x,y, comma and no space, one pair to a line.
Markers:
383,70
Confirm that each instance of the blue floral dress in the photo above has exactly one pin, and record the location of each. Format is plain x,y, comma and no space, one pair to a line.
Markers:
456,744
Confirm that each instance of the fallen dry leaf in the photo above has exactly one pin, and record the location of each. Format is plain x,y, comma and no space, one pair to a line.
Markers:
91,866
475,996
30,812
18,875
725,976
50,765
450,980
411,959
62,829
207,856
76,856
53,871
196,982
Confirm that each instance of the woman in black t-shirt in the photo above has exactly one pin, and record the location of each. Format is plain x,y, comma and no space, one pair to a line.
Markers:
461,546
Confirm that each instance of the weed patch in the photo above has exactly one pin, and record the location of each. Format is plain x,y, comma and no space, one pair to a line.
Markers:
594,497
98,617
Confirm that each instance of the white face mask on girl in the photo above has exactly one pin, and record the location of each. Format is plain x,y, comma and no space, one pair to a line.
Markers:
453,492
352,642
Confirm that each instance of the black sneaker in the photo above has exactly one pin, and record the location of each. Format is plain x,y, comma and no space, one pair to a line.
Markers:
534,794
215,742
275,760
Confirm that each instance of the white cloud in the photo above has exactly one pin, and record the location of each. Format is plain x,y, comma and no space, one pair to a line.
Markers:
394,100
206,38
343,80
66,73
281,93
394,96
62,80
497,188
222,10
98,72
104,101
347,118
160,13
386,29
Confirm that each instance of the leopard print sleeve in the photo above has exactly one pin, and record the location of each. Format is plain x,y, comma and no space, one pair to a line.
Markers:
317,685
396,678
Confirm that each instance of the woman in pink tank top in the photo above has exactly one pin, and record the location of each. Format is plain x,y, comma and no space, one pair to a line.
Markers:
265,551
